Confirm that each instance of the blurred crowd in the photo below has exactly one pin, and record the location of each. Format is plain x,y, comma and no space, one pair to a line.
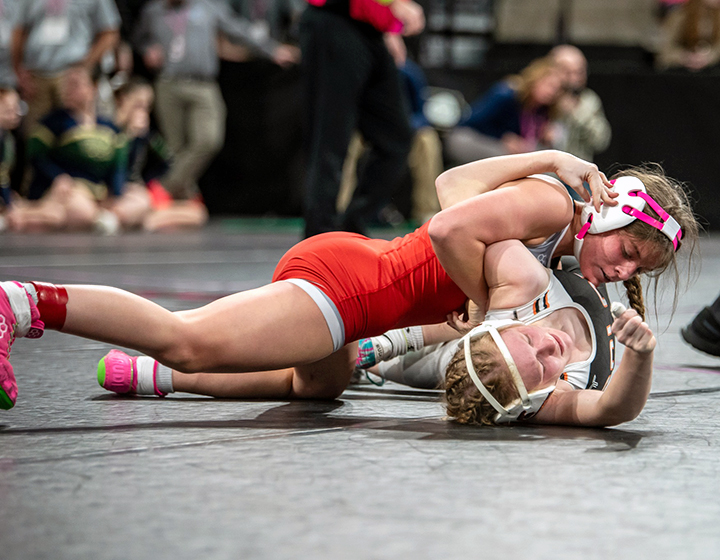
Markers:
88,143
110,110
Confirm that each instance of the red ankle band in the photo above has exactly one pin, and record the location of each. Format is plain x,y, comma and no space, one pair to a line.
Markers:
52,304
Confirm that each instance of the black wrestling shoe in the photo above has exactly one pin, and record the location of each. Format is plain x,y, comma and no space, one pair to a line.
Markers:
703,333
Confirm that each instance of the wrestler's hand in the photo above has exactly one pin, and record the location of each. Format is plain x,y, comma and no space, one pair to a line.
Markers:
634,333
574,172
472,317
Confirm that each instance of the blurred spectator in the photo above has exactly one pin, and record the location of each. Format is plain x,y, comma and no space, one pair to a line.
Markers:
51,36
666,7
149,159
178,39
9,120
511,118
80,165
129,15
148,155
582,128
691,36
425,159
9,10
352,83
276,19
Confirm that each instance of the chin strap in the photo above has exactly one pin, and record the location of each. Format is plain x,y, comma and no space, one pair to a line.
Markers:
492,327
529,403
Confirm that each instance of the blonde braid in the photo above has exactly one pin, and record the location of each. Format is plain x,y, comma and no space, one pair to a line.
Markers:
634,291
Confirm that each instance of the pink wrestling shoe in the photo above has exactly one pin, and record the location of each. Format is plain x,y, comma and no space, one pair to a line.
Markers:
128,375
19,317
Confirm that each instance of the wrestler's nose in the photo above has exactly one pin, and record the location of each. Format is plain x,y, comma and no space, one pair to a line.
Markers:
626,270
548,345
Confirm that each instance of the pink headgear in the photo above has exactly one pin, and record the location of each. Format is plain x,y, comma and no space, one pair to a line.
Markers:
631,202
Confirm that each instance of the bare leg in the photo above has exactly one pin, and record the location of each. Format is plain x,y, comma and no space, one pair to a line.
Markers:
81,208
132,206
324,379
63,207
273,327
251,385
183,214
36,216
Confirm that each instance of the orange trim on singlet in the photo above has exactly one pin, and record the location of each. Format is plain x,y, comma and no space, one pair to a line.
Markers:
545,302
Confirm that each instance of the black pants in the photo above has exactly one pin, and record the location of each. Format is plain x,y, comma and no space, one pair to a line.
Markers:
351,83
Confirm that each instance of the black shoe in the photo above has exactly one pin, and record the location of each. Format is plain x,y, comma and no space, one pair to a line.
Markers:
703,333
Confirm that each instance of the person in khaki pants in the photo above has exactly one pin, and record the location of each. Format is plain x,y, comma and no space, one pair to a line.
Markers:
191,114
178,39
49,37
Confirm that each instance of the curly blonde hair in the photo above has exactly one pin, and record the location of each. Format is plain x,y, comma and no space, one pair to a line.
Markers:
463,401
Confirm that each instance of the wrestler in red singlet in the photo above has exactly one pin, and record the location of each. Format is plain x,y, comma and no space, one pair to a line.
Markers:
375,284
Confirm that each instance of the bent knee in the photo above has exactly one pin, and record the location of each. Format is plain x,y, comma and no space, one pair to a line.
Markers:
182,351
301,389
323,387
326,379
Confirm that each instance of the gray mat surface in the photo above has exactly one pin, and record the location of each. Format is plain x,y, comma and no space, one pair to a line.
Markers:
378,473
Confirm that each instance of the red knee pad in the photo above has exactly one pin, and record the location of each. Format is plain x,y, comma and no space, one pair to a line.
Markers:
52,304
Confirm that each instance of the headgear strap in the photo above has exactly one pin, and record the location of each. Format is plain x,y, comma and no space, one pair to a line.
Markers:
668,225
529,403
492,328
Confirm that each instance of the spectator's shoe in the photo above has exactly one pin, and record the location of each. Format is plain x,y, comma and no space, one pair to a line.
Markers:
159,197
106,223
28,324
119,373
703,333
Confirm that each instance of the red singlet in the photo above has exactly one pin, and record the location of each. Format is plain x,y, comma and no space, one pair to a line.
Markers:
376,285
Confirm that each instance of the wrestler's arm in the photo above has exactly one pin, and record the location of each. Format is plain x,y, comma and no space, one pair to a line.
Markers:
626,393
526,210
513,276
442,332
482,176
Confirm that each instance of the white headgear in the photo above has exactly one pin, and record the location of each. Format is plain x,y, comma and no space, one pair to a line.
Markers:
528,403
631,202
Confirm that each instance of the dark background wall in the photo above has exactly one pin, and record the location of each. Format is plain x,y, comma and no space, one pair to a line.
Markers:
668,118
